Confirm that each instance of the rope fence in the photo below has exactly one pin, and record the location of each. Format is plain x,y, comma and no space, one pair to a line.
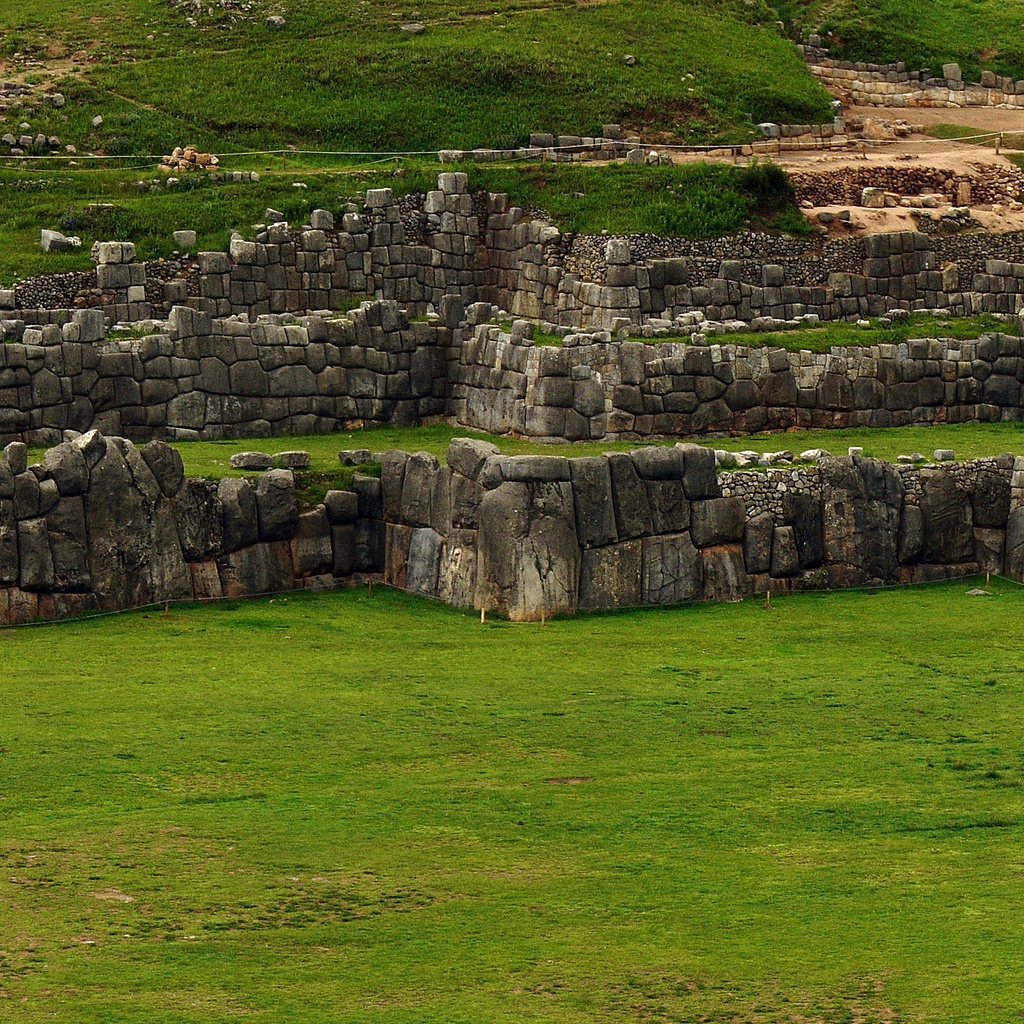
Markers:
513,153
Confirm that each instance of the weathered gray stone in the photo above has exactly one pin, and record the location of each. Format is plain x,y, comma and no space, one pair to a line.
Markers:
725,578
199,518
629,498
34,558
717,521
785,560
342,507
467,455
610,577
276,505
672,570
240,521
166,466
258,569
312,550
67,468
948,520
757,543
592,497
529,554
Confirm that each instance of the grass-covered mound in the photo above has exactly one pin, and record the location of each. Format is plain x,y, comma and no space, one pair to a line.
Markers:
342,75
978,34
690,200
378,810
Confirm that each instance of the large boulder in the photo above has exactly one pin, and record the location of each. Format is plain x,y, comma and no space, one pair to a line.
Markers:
199,517
725,577
135,555
258,569
592,497
69,545
610,577
66,466
672,570
240,522
947,518
803,512
166,466
717,521
757,543
629,498
276,505
861,501
312,552
529,553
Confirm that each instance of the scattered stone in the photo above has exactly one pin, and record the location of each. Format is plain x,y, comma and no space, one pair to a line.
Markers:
413,28
251,460
184,240
944,455
355,457
293,460
276,23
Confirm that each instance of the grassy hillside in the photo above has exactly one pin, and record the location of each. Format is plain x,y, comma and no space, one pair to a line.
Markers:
342,75
386,813
692,200
979,34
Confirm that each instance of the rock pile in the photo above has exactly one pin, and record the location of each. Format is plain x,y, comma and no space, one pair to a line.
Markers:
189,158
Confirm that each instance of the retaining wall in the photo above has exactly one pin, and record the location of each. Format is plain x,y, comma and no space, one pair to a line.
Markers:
198,377
894,85
416,251
597,387
531,536
101,524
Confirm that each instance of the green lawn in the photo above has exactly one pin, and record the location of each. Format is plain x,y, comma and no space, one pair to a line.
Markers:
842,334
386,812
693,200
342,76
925,33
968,440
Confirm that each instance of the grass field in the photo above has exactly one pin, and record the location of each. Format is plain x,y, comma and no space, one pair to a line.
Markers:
694,200
842,334
341,75
978,34
968,440
386,812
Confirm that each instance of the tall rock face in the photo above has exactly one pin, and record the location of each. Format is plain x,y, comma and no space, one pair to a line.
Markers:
529,553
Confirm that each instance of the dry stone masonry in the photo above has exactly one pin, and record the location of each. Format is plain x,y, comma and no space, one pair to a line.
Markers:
100,524
894,85
534,536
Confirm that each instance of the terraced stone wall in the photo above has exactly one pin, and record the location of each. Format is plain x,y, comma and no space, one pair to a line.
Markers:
199,377
599,386
100,524
529,537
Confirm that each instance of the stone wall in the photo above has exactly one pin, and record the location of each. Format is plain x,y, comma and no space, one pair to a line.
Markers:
595,386
419,250
101,524
894,85
199,377
530,536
